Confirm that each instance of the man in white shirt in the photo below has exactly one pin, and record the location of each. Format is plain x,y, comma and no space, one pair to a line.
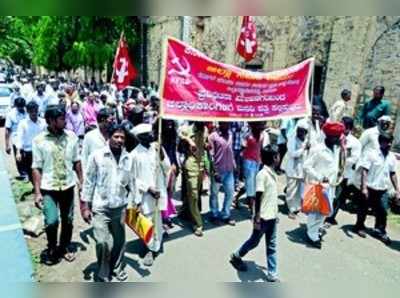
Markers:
378,167
14,117
342,107
315,135
97,138
266,214
27,89
40,98
51,91
369,138
27,130
107,190
150,176
353,154
15,94
287,127
293,167
322,166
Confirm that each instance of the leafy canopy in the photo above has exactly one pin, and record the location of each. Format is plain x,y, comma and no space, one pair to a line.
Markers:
64,42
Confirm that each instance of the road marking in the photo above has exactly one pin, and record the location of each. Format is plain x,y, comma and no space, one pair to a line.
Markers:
10,227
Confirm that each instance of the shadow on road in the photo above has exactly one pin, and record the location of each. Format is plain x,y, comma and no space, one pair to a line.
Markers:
348,230
298,236
282,208
135,265
395,245
86,235
90,271
239,215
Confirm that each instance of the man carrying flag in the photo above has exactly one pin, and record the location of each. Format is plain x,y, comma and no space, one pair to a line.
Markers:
124,71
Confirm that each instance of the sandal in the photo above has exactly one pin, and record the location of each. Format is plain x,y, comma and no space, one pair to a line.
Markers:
69,255
50,257
148,259
121,275
199,232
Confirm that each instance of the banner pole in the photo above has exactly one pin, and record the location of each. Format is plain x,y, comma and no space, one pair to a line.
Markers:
311,92
158,174
312,86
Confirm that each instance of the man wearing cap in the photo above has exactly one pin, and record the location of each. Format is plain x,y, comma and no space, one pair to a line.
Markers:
375,108
369,142
322,166
293,167
353,154
15,94
150,169
369,138
378,168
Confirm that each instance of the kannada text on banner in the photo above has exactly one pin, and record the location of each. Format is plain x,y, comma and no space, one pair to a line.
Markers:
195,87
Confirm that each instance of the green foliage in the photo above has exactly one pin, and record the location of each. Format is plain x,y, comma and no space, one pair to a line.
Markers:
65,42
15,39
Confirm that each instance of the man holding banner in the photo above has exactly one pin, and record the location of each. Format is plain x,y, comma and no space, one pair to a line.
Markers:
223,165
195,87
193,141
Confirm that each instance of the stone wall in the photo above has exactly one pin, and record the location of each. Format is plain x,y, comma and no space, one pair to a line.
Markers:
352,52
283,41
160,27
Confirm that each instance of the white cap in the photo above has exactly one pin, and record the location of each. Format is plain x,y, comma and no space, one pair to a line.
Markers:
385,119
141,129
303,123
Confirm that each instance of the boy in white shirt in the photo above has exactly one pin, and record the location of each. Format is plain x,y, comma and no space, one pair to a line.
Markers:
266,214
378,167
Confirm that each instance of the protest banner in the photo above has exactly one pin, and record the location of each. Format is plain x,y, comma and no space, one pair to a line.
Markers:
195,87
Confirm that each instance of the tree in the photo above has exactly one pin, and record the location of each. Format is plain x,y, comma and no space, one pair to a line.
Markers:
65,42
69,42
16,38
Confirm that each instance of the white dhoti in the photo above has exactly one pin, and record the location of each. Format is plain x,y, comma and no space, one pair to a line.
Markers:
315,221
294,194
155,243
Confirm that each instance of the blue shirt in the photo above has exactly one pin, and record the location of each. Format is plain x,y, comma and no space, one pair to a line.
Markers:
373,110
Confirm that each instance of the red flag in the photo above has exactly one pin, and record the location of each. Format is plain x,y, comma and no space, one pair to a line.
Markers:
124,71
247,42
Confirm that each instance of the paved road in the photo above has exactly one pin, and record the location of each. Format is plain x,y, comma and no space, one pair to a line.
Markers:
344,256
